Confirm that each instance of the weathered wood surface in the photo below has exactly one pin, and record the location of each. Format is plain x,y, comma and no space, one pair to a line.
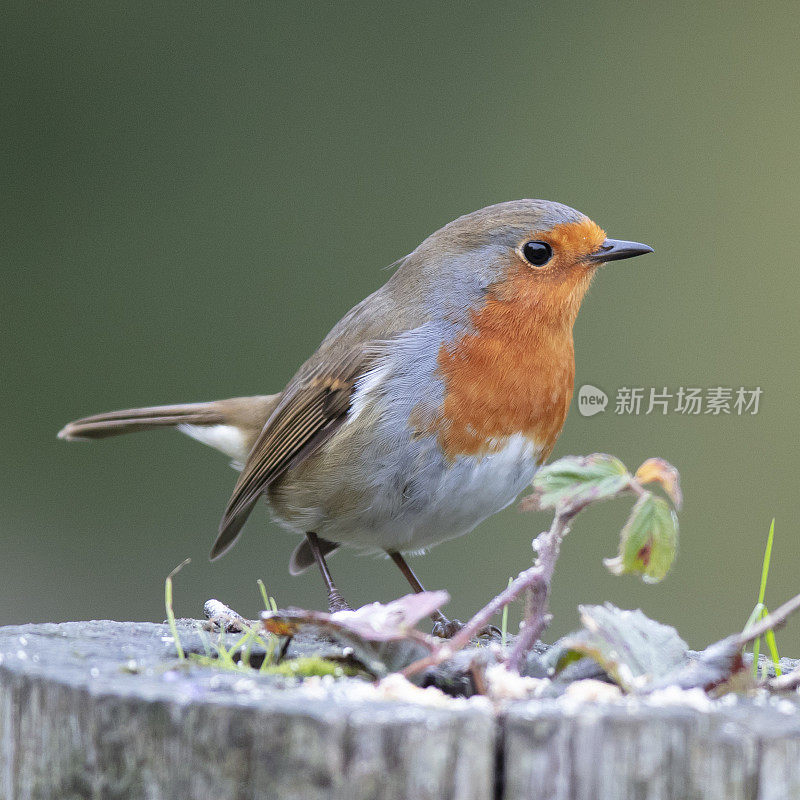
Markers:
76,722
734,752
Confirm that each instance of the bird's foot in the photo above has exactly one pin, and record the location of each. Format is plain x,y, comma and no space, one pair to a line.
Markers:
490,632
336,602
447,628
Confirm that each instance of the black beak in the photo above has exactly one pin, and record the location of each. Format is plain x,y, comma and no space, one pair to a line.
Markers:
616,249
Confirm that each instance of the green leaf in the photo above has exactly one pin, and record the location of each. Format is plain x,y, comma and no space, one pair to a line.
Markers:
264,595
576,481
760,611
773,651
173,628
762,589
504,623
631,648
648,541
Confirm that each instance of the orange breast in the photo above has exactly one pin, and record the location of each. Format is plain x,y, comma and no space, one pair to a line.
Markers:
498,386
514,372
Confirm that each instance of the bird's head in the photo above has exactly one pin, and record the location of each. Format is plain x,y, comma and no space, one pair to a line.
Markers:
531,254
503,286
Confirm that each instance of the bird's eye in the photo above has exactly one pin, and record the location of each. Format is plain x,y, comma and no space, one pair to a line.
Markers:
537,253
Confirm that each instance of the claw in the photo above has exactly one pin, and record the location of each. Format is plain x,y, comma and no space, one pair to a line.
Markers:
337,603
448,628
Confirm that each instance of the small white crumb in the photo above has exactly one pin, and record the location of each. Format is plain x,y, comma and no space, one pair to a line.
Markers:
593,691
317,687
502,684
625,674
396,687
786,706
393,687
675,696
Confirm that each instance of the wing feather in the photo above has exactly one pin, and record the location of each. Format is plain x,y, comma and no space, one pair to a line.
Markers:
312,408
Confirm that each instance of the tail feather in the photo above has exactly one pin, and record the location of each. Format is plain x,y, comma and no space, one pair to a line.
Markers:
230,426
114,423
302,557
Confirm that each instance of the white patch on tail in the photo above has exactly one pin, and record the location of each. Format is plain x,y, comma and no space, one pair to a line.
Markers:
225,438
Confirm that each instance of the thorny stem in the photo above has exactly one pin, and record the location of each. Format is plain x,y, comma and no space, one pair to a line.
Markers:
537,617
548,547
636,487
441,653
535,579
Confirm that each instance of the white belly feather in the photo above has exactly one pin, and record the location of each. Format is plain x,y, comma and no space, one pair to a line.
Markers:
467,492
446,500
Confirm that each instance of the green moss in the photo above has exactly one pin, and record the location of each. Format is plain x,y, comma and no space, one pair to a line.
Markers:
308,666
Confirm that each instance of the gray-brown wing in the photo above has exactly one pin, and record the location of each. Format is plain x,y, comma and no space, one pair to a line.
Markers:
311,410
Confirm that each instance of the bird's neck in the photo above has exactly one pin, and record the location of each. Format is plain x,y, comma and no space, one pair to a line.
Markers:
511,374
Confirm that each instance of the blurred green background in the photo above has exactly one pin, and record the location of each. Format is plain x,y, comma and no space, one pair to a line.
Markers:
194,193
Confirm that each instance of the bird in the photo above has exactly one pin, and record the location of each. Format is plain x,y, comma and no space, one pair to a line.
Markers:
427,408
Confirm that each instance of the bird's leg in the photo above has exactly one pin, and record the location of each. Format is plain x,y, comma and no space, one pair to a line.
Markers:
335,600
442,626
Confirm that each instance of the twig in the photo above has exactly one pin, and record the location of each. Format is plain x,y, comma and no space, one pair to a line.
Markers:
441,653
548,548
537,618
536,579
782,683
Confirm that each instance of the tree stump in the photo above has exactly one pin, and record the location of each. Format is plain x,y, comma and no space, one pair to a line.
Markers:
97,710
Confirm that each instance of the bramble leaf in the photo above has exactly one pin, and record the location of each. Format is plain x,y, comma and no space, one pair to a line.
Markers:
382,635
719,668
656,470
576,481
648,541
376,622
632,649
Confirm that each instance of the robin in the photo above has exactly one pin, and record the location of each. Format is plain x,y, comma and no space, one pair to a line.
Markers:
427,408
